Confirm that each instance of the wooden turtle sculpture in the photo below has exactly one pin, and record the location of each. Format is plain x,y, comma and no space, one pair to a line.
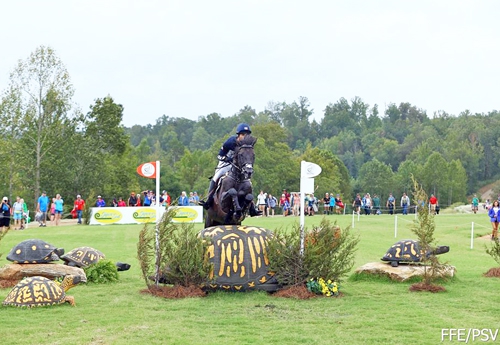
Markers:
239,258
410,251
85,256
39,291
34,251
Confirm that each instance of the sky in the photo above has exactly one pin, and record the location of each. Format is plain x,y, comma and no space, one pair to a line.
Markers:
191,58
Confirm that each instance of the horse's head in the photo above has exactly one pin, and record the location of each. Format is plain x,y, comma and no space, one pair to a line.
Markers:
244,155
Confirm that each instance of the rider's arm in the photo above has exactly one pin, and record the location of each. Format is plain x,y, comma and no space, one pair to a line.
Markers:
229,145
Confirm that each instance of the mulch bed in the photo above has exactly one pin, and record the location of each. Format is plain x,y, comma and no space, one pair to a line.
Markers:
175,291
298,292
493,273
7,283
427,287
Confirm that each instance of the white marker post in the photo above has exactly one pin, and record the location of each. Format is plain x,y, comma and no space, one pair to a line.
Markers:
308,171
152,170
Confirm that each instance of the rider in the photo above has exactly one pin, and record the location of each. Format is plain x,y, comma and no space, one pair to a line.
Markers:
225,158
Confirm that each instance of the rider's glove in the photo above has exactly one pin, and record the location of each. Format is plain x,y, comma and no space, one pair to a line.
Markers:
224,158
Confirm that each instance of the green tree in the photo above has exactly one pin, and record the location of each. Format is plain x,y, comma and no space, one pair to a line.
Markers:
45,91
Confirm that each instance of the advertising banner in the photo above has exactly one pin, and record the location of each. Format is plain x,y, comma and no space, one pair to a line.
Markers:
138,215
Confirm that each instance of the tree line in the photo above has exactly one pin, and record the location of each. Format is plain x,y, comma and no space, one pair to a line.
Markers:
50,144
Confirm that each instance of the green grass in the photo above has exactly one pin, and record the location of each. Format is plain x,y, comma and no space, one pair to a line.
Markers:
372,311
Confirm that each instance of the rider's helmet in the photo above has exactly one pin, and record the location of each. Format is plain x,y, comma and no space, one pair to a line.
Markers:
243,128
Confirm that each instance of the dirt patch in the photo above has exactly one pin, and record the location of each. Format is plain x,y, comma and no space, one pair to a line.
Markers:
427,287
297,291
493,273
8,283
175,291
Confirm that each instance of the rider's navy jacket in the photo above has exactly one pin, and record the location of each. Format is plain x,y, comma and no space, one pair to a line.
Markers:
228,146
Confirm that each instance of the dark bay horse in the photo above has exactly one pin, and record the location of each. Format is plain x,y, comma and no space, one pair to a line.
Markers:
233,197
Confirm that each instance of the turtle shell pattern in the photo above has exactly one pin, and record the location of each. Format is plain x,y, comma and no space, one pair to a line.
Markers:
404,251
34,292
83,256
239,258
33,251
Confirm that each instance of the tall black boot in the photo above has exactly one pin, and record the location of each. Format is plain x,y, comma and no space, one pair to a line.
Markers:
210,199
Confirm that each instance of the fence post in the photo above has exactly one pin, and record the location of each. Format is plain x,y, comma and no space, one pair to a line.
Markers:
353,219
395,226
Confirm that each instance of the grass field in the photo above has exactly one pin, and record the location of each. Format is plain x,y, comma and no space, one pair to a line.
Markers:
372,311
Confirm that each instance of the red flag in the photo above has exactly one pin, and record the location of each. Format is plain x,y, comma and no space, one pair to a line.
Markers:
147,170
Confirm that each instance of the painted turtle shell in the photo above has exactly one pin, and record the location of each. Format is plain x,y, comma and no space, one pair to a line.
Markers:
238,255
34,251
39,291
409,251
82,257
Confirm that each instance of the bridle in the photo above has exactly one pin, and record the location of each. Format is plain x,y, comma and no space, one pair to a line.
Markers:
245,169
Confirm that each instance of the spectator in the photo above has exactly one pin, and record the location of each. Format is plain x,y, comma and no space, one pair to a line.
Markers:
147,198
312,204
261,202
475,203
114,202
405,201
165,199
271,204
326,204
52,211
78,206
192,200
196,198
183,199
132,200
121,202
287,195
295,204
42,207
286,207
26,215
18,213
356,204
494,215
390,203
5,212
367,204
339,205
432,203
100,202
58,208
376,204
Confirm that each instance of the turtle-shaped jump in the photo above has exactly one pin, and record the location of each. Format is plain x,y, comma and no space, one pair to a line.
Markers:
410,251
34,251
39,291
85,256
239,258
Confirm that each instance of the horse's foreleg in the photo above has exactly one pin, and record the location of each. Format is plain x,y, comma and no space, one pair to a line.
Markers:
234,197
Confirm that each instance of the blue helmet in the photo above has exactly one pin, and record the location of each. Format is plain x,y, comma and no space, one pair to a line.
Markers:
242,128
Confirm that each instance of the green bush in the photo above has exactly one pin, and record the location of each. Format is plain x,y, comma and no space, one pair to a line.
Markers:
328,254
102,272
494,251
181,253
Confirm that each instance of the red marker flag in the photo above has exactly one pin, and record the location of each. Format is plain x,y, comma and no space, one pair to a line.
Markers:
147,170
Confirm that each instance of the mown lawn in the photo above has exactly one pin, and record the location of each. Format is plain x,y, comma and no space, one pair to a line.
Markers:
372,311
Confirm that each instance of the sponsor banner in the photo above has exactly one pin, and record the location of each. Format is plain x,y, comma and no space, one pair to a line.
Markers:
138,215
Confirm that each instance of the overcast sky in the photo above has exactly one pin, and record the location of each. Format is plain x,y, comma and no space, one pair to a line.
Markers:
192,58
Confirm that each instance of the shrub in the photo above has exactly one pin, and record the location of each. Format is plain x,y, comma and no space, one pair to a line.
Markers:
102,272
494,251
328,254
424,228
180,256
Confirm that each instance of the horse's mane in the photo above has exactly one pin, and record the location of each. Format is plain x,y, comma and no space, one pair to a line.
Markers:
247,140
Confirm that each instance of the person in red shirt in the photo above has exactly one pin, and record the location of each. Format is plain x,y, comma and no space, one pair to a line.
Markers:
78,207
433,202
121,202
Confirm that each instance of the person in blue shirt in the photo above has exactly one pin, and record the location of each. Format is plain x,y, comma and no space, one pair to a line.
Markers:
100,202
43,206
183,199
225,158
